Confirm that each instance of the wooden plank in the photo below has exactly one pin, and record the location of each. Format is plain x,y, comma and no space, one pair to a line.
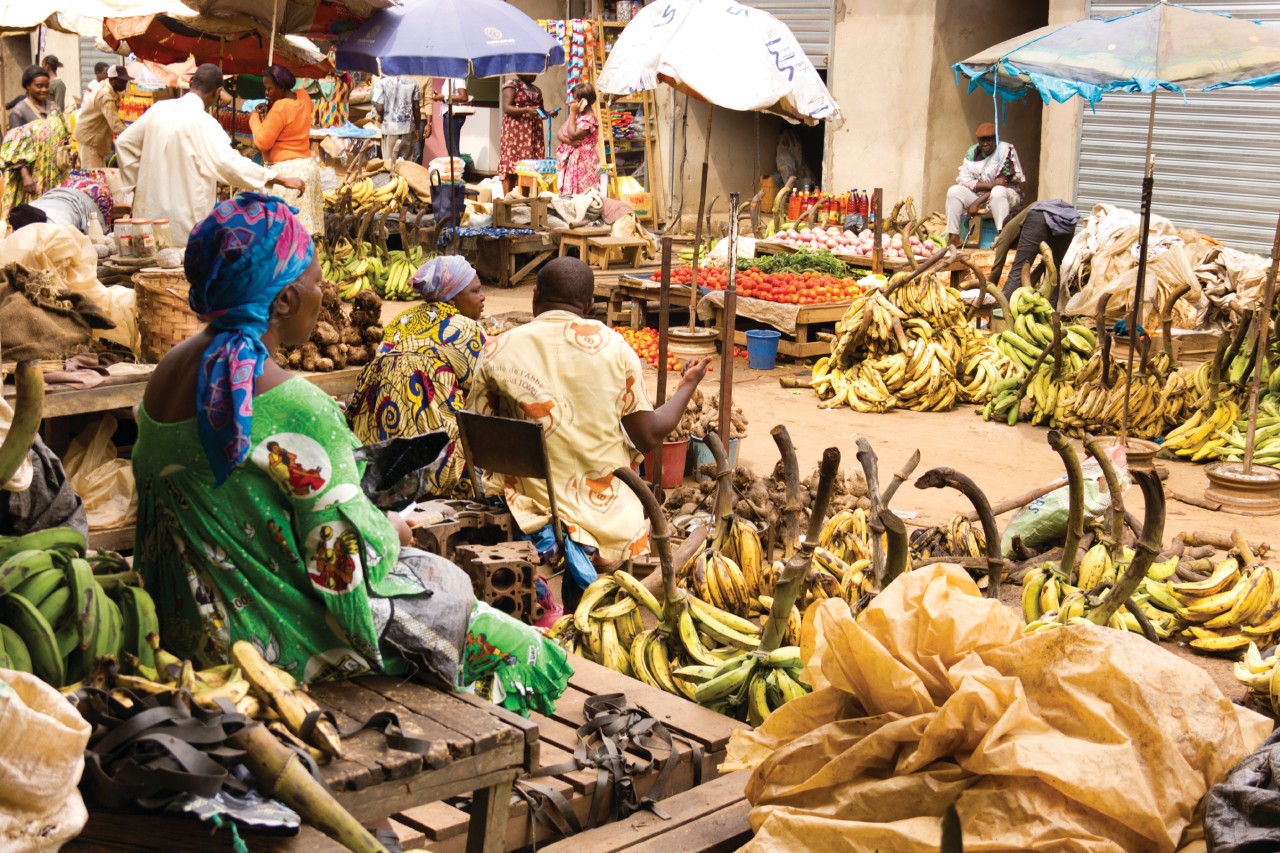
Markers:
357,703
679,714
792,349
725,830
527,726
112,831
409,838
488,826
498,766
486,731
693,805
112,538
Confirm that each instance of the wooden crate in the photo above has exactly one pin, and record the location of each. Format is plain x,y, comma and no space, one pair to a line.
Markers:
444,826
1189,345
508,260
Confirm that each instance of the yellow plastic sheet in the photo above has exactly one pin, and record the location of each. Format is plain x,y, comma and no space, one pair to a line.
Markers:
1079,739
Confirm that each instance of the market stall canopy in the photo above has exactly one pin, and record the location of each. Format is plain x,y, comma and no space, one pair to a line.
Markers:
668,41
81,17
324,20
1165,46
153,75
237,45
450,38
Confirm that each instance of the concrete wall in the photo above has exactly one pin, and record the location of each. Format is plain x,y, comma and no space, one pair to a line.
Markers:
1060,125
906,121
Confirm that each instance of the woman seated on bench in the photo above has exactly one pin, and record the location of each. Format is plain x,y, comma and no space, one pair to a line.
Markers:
251,521
422,373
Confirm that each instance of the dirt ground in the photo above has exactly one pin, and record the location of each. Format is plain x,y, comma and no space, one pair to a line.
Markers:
1004,461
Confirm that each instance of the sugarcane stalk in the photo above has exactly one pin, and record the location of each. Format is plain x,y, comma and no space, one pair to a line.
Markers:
787,587
660,532
791,482
28,410
1075,500
898,552
871,473
281,775
939,478
1115,540
1145,549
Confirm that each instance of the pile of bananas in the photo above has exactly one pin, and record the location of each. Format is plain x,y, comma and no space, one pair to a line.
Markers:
1096,404
1258,673
362,196
958,537
984,368
1050,600
357,268
1032,332
1266,447
57,616
1204,435
1236,605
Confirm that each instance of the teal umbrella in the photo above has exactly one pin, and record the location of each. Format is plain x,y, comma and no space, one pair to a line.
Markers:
1165,46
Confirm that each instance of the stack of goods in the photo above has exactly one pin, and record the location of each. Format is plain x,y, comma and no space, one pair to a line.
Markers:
338,341
859,245
645,342
900,346
815,278
234,121
364,196
370,268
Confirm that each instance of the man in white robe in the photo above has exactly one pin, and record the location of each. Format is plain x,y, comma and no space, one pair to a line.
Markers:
990,176
175,155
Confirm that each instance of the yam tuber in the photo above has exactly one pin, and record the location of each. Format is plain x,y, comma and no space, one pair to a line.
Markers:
325,333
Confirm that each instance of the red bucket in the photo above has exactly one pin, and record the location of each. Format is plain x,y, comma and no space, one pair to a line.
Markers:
673,457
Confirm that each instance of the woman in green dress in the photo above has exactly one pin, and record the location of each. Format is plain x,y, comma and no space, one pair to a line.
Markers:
421,375
251,523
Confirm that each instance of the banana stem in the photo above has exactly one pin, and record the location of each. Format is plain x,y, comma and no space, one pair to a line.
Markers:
1148,630
1050,283
724,487
871,473
899,551
948,254
1075,500
1145,549
1242,548
1215,370
661,535
788,586
1237,340
1057,347
901,476
28,410
1115,540
939,478
1166,322
282,775
791,480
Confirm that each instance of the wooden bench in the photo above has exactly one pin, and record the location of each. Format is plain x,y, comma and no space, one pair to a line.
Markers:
495,258
576,238
708,819
444,826
599,249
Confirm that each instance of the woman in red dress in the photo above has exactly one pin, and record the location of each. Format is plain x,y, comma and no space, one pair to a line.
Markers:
521,127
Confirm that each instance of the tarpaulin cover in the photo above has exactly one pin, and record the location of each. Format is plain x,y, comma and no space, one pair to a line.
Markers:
1076,739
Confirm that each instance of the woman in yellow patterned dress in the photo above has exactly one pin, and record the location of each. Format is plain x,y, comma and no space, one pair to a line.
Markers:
422,372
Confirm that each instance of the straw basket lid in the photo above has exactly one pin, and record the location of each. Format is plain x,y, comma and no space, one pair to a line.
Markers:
415,175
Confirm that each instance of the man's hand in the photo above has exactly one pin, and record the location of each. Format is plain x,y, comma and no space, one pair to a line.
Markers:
295,184
694,371
978,202
29,187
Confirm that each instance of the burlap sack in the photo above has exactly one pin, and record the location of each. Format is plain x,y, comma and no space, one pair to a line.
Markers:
39,319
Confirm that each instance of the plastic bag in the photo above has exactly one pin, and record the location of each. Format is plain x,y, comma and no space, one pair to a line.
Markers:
104,482
524,670
42,742
1045,519
398,469
1081,738
1241,814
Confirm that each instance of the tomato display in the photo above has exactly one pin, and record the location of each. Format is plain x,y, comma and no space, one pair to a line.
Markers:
798,288
645,343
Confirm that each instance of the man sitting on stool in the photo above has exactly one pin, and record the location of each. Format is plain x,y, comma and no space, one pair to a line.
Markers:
990,176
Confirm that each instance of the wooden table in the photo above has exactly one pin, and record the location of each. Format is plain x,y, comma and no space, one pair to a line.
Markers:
475,748
640,292
802,344
496,258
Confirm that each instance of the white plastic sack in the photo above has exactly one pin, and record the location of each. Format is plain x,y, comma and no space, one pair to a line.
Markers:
71,257
42,741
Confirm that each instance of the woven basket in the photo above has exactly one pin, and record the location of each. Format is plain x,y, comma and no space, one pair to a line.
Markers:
164,319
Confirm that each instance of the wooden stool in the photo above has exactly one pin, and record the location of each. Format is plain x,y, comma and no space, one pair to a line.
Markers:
629,247
576,238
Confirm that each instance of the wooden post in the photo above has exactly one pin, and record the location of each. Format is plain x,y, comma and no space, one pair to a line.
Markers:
727,327
664,317
877,231
697,228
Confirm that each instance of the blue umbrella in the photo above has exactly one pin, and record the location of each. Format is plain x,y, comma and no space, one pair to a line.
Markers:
450,38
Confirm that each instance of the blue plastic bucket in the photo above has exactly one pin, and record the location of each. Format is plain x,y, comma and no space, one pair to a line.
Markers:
700,454
762,348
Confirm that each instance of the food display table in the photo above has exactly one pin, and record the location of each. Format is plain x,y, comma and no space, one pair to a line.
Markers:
509,259
640,291
475,748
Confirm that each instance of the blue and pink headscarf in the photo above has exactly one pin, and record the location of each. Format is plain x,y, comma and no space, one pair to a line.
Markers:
238,260
442,278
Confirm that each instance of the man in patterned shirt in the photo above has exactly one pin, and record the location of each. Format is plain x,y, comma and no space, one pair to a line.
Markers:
585,385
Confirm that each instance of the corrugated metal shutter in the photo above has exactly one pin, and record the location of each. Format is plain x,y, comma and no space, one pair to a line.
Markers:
809,20
1217,154
91,56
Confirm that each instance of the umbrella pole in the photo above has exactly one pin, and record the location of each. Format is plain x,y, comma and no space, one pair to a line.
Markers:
1148,181
730,321
1264,329
271,46
697,228
664,317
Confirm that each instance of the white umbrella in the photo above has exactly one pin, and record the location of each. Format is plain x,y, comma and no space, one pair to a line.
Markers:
686,43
